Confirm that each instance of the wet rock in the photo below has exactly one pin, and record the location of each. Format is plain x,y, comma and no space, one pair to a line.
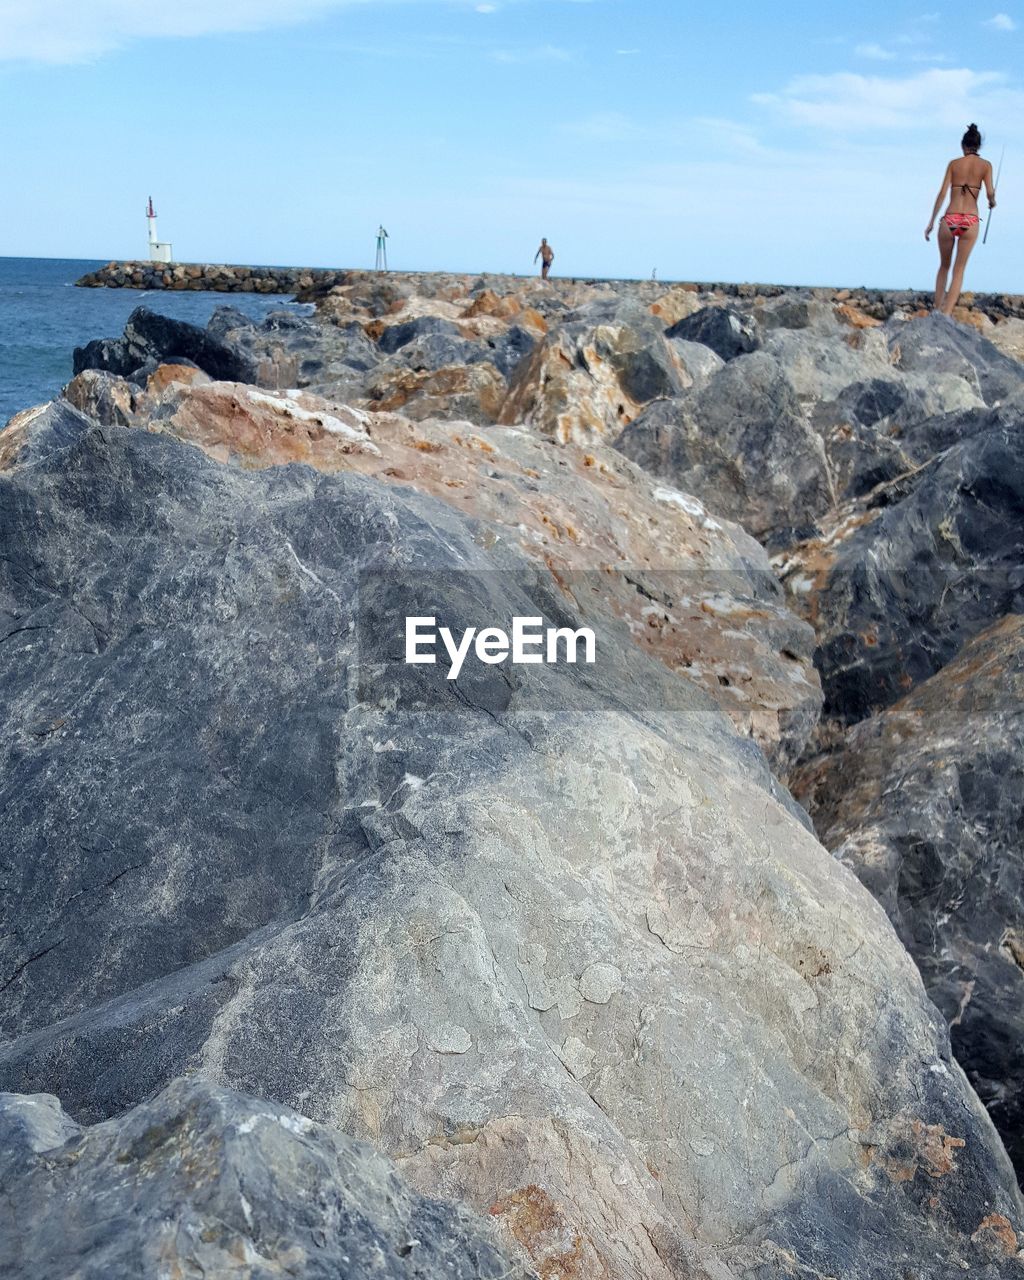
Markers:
205,1181
925,802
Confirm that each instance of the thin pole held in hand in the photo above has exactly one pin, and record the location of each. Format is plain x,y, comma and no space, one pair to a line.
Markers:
995,192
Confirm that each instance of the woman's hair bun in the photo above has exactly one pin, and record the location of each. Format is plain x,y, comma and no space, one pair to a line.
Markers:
972,138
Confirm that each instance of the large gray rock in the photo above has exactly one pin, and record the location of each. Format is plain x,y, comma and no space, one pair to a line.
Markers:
150,339
728,333
204,1181
936,345
552,938
820,365
898,584
877,429
396,336
743,445
695,592
291,349
925,801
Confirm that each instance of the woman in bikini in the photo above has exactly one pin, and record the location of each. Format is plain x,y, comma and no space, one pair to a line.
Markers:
960,223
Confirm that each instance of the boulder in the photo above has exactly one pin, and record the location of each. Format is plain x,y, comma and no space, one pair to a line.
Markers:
472,393
798,311
695,593
743,444
291,349
728,333
925,802
698,364
896,584
820,365
150,337
937,344
399,335
550,937
204,1181
583,382
676,304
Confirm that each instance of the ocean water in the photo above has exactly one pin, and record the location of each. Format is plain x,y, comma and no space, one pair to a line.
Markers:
43,318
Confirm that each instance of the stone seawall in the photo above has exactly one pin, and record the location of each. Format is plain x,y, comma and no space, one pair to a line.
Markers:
309,284
210,276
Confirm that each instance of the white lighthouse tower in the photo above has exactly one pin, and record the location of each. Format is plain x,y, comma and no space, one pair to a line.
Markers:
159,250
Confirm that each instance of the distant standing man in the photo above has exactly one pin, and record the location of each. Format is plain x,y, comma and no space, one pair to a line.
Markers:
547,256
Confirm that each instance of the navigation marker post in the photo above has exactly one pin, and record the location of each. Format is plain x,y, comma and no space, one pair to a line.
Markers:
382,250
159,250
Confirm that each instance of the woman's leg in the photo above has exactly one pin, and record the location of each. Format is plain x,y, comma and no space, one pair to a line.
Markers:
963,252
945,258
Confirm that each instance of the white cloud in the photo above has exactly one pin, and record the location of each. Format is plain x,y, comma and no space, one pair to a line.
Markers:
77,30
852,103
1001,22
874,51
62,31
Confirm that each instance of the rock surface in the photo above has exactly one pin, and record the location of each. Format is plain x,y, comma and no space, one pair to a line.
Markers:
897,583
560,946
694,592
555,939
202,1181
925,801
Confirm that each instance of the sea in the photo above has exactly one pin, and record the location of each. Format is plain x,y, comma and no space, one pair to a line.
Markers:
43,317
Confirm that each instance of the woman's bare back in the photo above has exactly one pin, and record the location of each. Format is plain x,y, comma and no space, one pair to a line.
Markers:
967,176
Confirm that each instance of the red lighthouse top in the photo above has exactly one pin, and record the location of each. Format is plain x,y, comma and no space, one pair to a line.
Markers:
150,211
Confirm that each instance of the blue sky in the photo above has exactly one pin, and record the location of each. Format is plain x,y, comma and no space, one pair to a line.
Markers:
793,142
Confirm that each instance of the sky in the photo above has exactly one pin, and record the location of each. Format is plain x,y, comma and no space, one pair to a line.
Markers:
798,143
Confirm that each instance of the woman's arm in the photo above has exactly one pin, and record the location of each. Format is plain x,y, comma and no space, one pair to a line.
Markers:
990,190
939,199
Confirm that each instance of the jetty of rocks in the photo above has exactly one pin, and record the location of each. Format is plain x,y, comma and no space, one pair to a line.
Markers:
702,962
311,283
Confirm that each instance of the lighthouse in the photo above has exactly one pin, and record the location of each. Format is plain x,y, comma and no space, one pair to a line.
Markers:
159,250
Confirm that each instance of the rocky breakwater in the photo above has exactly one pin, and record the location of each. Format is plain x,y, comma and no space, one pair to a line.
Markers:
215,277
556,941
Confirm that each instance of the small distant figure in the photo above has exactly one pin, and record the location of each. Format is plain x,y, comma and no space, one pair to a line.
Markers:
547,256
960,223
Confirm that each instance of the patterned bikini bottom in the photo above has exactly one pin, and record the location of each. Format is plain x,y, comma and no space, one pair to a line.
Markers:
958,223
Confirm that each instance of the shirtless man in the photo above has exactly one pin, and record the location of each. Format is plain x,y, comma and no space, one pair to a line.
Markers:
547,256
